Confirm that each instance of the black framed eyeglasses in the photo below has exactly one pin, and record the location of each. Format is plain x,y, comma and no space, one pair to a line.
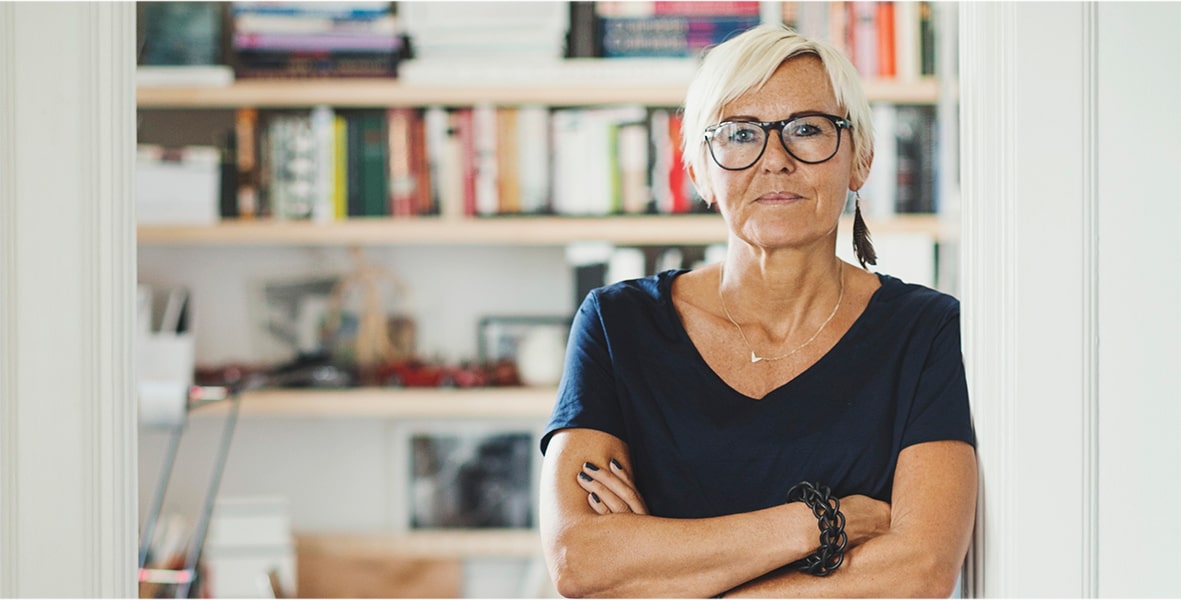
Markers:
811,139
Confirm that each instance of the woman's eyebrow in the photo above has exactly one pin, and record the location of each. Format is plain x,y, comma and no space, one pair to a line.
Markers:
797,114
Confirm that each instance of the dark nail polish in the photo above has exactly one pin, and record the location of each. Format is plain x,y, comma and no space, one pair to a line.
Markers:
591,466
584,476
616,464
595,497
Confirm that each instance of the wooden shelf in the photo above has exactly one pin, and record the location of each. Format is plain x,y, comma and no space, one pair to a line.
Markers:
426,544
346,93
396,403
638,230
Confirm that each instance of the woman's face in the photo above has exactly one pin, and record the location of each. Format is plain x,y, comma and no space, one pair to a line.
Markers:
780,201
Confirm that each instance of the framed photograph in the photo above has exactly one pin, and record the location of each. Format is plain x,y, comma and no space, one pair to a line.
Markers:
288,316
501,337
464,475
532,348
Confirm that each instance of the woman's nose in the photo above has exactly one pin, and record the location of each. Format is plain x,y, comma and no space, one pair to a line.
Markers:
776,157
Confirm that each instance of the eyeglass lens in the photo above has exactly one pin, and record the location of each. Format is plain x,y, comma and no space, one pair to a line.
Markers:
738,145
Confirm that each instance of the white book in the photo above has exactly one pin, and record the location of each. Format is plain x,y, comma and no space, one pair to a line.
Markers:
533,157
184,76
567,168
487,178
324,133
633,168
443,161
907,52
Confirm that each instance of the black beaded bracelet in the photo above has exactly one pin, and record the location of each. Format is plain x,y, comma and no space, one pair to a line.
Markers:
831,522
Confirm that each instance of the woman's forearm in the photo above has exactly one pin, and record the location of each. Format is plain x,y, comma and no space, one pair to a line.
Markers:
628,555
890,565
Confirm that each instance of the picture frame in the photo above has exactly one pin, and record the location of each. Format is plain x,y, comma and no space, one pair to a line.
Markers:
464,474
500,337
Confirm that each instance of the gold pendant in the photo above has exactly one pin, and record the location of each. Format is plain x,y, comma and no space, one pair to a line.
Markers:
754,358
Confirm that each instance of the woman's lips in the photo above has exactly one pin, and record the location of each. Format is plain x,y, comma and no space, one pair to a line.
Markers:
780,198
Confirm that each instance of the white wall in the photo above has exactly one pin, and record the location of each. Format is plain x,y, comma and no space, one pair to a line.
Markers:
1070,294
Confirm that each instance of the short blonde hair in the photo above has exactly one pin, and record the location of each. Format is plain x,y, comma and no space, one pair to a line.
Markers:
745,63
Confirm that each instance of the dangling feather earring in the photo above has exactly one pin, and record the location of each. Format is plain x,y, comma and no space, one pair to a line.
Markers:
862,246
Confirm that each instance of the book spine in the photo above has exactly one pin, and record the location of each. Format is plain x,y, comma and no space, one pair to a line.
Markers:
885,39
246,145
508,166
906,41
402,186
322,121
424,200
299,41
927,49
375,177
484,155
668,36
340,179
534,158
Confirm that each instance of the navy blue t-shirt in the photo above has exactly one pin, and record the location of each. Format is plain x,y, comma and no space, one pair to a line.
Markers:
701,449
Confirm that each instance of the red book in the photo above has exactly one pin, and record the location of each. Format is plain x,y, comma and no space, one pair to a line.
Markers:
676,168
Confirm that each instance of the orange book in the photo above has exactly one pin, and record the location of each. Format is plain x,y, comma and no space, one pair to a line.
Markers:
885,31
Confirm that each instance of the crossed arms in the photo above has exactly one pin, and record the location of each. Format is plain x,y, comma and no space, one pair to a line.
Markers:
599,540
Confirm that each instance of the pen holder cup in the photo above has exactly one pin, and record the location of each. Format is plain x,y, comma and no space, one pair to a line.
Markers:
165,374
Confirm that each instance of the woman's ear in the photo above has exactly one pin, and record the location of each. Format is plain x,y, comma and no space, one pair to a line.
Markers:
702,190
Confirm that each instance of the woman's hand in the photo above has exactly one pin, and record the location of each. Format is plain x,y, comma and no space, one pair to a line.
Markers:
611,490
865,518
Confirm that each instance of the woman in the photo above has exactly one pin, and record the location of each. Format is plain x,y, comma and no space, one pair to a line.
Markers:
693,402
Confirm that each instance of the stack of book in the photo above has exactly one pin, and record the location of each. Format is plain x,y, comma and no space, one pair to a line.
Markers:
483,31
315,39
670,29
180,44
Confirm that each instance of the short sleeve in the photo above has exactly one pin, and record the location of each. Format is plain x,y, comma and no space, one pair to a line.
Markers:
940,408
587,395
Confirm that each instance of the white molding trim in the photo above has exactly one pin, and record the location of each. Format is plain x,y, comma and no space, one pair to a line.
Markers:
108,224
67,115
1030,294
987,266
1090,302
8,349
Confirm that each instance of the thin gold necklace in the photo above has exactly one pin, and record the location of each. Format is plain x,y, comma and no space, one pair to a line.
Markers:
754,357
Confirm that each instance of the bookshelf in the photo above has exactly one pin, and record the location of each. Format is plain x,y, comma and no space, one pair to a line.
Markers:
350,427
362,93
647,230
393,403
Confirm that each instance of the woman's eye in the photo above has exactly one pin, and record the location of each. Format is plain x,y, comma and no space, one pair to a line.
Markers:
804,130
744,135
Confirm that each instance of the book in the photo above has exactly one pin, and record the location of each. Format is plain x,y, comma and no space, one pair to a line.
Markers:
340,178
907,42
246,157
403,187
444,154
885,39
508,163
322,121
180,33
668,35
533,157
485,172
